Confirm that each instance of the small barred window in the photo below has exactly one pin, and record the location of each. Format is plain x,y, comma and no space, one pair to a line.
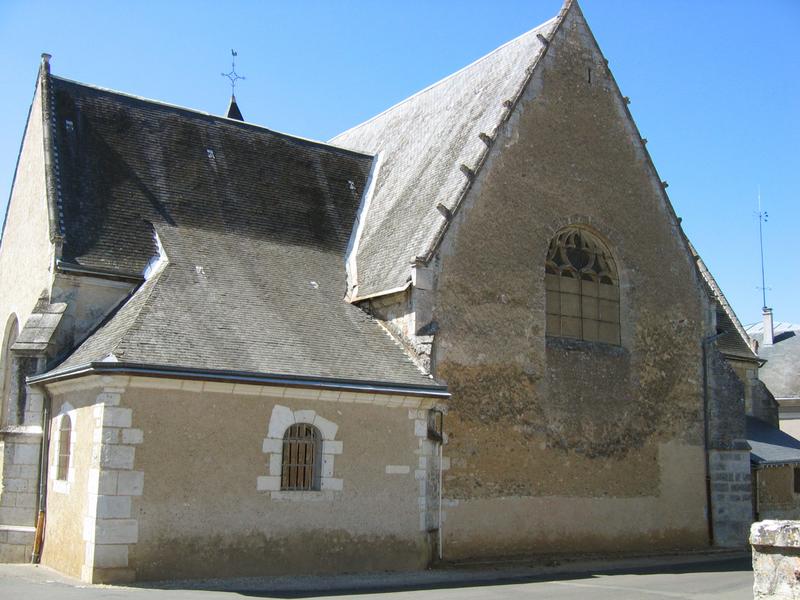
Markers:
300,466
582,288
64,442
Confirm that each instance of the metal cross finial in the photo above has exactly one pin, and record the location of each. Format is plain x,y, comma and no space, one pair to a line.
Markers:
233,76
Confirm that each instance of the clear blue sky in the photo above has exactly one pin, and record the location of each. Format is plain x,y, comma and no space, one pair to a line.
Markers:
714,86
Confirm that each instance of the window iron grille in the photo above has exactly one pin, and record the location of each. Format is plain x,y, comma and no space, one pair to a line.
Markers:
300,464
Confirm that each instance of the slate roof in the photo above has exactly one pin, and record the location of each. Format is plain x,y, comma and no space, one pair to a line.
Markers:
422,143
733,340
254,224
771,446
781,372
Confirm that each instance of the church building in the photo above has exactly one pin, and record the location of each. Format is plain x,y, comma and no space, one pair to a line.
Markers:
470,327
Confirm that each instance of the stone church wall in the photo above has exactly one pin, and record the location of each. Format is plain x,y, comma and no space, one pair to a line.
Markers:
183,480
26,252
25,257
559,444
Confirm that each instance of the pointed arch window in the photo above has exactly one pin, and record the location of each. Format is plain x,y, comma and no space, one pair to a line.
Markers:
582,288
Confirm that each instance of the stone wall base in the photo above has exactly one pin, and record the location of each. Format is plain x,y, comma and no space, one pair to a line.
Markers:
16,544
112,575
731,497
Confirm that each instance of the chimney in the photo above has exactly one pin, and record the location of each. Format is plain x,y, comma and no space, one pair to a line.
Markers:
768,331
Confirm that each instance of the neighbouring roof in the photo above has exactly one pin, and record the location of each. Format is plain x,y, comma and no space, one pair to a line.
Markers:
422,144
254,225
781,372
771,446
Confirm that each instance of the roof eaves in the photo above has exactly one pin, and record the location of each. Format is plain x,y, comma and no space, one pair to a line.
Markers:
121,368
720,298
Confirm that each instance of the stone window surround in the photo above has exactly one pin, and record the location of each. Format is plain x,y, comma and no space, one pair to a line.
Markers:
7,370
62,486
281,419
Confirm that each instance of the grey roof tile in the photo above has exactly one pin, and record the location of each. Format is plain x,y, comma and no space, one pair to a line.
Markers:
423,141
255,225
781,372
771,446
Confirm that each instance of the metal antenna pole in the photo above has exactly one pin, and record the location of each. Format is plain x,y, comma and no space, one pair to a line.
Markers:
762,218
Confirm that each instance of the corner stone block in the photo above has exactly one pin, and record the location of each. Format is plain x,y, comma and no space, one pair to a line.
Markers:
35,403
272,446
268,484
275,465
117,457
110,555
116,531
132,436
330,483
107,435
282,417
117,417
26,454
327,465
109,398
113,507
327,428
130,483
331,447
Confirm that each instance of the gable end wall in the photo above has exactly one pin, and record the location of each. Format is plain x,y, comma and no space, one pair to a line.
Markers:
568,444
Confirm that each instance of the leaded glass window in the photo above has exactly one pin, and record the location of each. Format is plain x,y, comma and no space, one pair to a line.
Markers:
582,288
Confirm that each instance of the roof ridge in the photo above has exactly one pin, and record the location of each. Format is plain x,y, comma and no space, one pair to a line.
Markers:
223,119
447,78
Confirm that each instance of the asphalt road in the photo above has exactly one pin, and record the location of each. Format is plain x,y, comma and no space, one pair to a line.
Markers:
727,579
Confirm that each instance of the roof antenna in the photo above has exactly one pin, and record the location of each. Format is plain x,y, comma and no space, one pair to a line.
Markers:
762,218
233,76
768,335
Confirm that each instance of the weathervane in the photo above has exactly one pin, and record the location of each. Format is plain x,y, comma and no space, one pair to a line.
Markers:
233,76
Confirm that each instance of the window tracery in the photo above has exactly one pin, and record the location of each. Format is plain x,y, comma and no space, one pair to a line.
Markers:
582,288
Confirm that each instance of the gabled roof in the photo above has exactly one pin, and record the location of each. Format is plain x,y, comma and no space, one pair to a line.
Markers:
429,146
254,225
771,446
